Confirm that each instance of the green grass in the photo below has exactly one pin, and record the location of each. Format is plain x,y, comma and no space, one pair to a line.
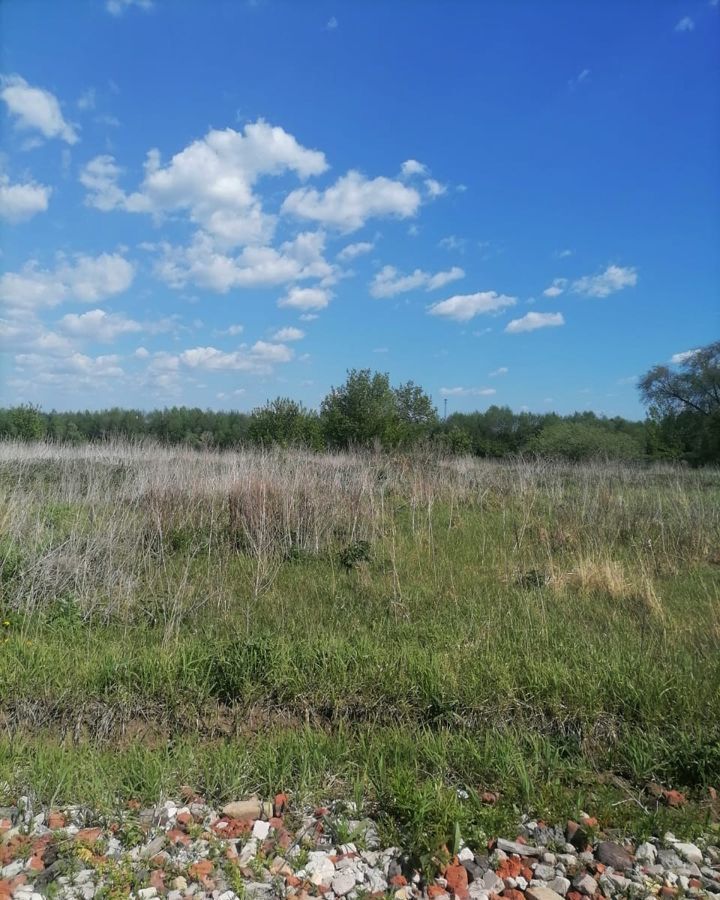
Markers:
548,633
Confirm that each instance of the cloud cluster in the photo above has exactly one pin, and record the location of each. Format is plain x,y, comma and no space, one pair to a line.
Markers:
84,279
389,281
21,201
534,320
352,200
463,307
35,109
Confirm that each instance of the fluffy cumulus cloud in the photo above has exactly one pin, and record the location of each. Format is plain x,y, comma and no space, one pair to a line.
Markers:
388,281
412,167
258,359
98,325
351,251
556,288
289,333
613,279
503,370
84,279
21,201
72,371
463,307
212,179
305,298
467,392
202,263
534,320
352,200
35,109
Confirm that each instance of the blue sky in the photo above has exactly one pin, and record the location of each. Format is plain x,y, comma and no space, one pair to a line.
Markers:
213,203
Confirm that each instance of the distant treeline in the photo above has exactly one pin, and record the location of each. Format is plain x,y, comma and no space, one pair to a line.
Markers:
366,411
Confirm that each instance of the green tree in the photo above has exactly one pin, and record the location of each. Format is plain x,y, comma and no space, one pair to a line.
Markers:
684,401
284,421
367,410
26,422
579,441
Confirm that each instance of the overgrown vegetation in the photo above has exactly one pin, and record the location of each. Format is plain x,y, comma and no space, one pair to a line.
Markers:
367,412
399,628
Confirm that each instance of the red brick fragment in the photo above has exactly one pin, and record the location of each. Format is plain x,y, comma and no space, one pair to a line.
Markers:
674,798
398,880
200,870
457,879
175,836
88,835
184,818
280,804
56,820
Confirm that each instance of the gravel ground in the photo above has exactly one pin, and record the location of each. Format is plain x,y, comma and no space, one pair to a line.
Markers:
259,850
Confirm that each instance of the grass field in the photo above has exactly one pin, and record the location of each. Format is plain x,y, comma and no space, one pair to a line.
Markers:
409,632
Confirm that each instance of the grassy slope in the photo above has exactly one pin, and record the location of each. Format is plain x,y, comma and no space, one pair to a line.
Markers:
548,633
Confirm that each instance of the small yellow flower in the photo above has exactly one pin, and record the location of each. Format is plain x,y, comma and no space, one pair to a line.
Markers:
6,623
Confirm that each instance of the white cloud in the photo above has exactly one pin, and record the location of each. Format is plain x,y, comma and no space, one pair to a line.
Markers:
309,317
412,167
203,264
305,298
86,100
613,279
231,330
20,202
452,242
212,179
434,187
467,392
332,23
85,279
563,254
352,200
259,358
388,281
503,370
288,334
534,320
35,109
463,307
579,78
556,288
678,358
685,24
28,334
100,177
98,325
71,371
118,7
354,250
141,353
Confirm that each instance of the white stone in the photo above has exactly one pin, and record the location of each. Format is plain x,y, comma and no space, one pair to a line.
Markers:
689,852
147,893
376,881
343,883
248,852
646,854
12,869
465,854
320,868
261,830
